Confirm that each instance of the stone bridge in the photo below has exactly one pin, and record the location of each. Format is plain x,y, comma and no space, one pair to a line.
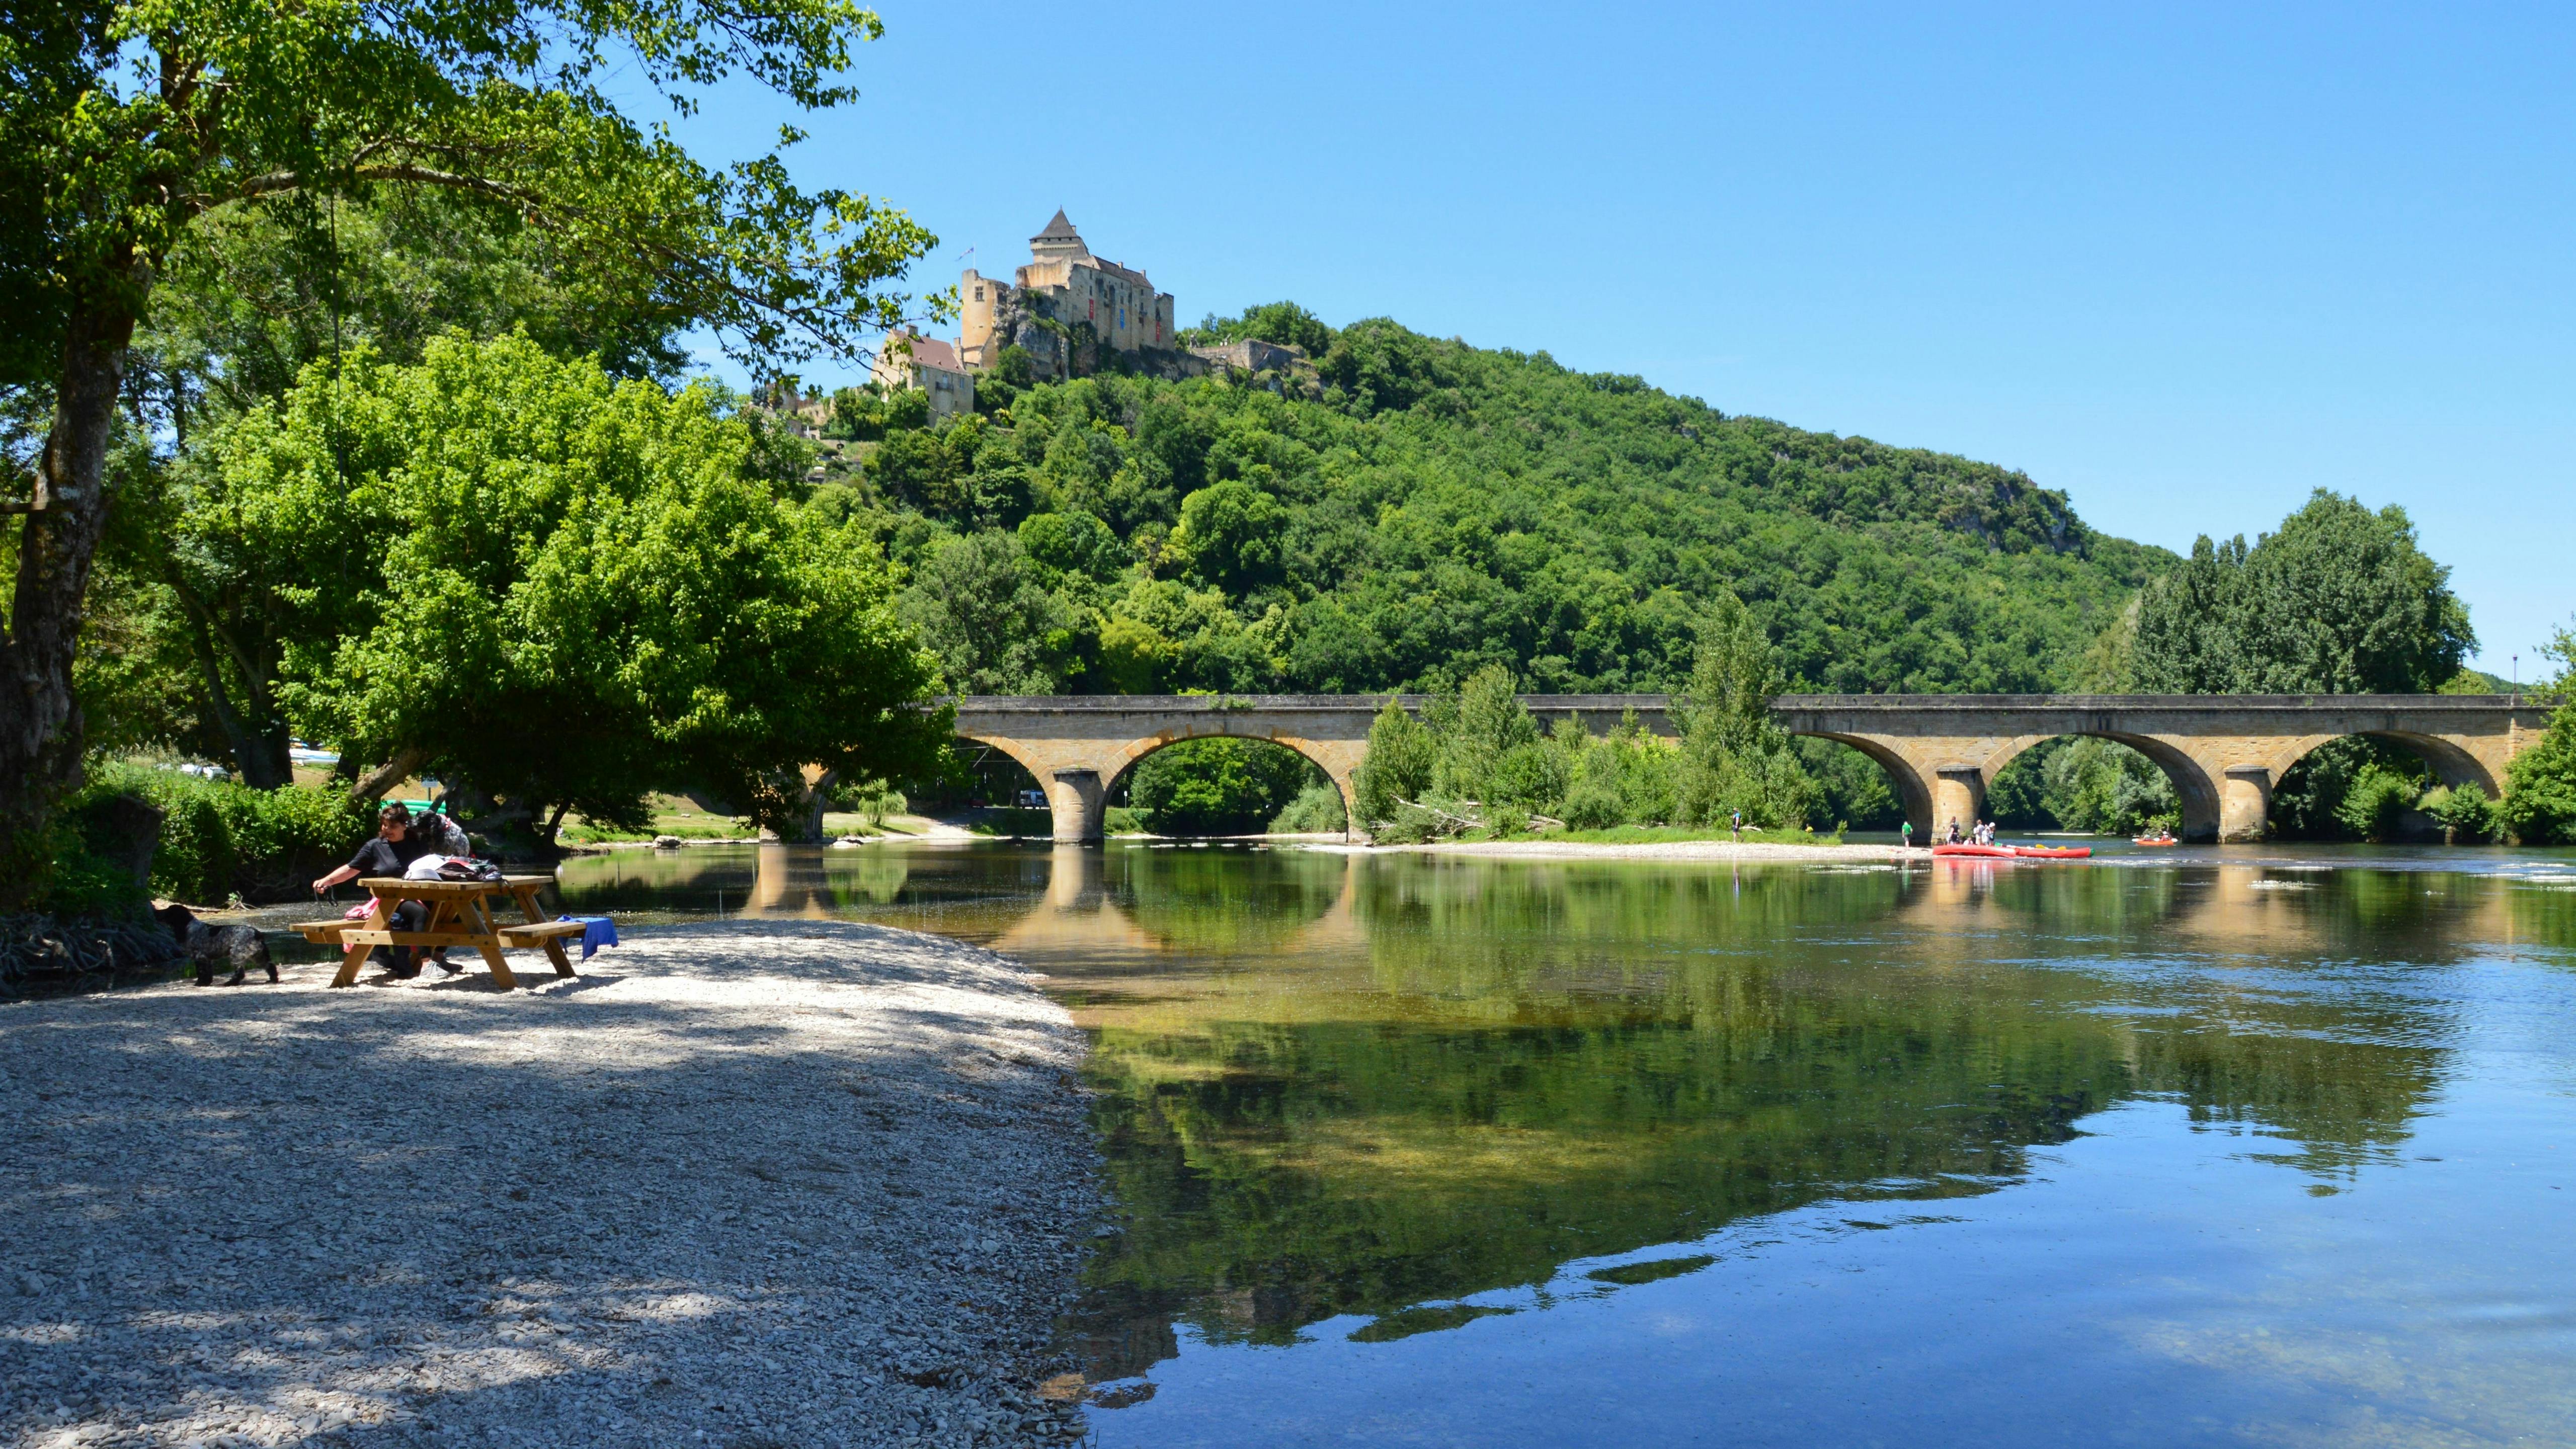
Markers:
2224,752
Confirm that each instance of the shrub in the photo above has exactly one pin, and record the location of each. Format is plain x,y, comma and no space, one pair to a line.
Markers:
2540,786
1503,821
1316,810
220,839
1594,805
2374,802
1398,767
2465,812
1532,776
98,853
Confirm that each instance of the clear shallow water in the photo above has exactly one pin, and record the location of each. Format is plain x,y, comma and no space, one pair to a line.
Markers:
2205,1148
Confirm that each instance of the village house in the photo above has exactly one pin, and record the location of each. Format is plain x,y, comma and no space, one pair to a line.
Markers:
909,359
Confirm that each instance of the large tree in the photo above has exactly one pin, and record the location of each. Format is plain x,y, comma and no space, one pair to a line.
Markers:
510,568
126,124
2339,601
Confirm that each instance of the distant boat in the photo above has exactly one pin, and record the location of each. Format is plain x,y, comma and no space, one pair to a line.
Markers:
2153,840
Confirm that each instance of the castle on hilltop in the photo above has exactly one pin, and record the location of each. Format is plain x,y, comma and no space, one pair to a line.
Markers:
1064,284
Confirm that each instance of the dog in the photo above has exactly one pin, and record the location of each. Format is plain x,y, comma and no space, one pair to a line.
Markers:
212,948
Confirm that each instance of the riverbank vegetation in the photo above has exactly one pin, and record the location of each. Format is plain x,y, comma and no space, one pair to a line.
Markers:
1478,764
177,185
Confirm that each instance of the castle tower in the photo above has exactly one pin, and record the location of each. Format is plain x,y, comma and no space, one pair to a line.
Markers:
1059,242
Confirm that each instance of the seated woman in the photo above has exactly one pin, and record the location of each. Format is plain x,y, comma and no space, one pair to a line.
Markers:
393,849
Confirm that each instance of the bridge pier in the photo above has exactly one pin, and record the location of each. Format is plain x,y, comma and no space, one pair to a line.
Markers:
2244,803
1958,793
1079,801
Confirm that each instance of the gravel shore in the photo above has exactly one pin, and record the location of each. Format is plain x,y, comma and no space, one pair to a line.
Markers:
739,1185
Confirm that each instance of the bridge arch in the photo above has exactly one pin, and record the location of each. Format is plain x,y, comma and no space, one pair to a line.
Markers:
2454,765
1913,791
2201,795
1076,774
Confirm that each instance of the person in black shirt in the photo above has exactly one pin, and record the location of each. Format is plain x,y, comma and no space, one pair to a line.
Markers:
389,854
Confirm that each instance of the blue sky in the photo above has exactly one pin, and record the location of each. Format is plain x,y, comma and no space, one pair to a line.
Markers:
2184,263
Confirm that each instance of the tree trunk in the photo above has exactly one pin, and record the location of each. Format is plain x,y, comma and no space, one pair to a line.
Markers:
386,776
255,732
818,794
40,723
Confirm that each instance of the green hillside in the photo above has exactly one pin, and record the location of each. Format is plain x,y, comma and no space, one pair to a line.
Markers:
1409,509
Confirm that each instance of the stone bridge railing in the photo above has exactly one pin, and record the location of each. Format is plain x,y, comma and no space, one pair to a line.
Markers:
2224,753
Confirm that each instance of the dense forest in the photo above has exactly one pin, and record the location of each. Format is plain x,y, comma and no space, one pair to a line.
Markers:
1408,510
1398,512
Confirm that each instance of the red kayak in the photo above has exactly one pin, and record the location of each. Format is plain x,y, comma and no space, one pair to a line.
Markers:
2017,852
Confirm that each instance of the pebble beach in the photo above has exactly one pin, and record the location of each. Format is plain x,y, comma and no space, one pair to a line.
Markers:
745,1185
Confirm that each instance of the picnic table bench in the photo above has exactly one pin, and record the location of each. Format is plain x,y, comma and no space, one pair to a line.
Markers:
460,914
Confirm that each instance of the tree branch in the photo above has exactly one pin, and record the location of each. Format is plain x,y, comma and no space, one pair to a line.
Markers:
271,183
385,776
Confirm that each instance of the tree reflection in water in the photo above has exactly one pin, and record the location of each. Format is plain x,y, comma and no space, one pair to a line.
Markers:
1339,1086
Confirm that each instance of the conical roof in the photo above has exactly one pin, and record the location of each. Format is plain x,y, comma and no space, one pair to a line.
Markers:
1058,230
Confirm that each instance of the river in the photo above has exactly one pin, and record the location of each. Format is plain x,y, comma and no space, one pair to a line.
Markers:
2218,1146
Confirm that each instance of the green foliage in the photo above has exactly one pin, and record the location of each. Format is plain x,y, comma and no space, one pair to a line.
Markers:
1734,757
1440,508
243,181
2561,651
2339,601
1476,760
2539,804
869,412
2307,804
1316,810
980,607
1401,757
1284,323
1487,730
2376,800
2465,812
221,839
1073,545
506,109
1230,535
1854,787
1012,366
255,294
2099,786
1217,786
455,559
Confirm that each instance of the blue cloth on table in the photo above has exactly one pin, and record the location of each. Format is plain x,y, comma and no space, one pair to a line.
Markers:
596,931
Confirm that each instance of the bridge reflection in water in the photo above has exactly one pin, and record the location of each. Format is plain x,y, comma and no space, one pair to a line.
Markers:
1370,1089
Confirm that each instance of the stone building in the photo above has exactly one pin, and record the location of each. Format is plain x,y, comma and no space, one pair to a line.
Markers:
909,359
1251,354
1063,283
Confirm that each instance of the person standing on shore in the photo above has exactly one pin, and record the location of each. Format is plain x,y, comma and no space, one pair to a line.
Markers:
1905,836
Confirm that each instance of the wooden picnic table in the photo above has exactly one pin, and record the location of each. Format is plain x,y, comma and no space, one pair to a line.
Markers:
460,914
